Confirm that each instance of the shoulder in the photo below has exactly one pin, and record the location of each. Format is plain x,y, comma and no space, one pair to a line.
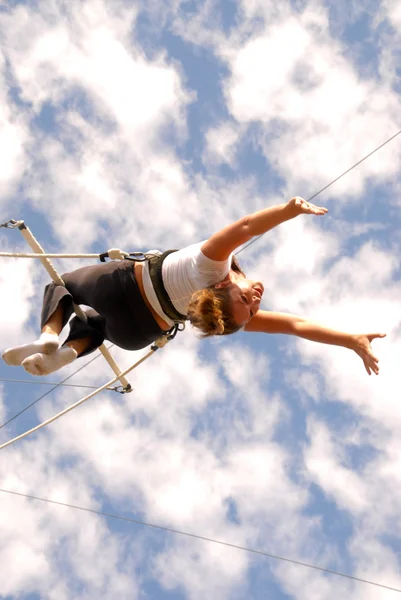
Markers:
187,253
193,257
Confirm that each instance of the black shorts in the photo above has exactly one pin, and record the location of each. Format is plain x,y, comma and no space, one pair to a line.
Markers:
117,313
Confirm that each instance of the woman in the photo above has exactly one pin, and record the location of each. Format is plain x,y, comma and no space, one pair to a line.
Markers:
133,304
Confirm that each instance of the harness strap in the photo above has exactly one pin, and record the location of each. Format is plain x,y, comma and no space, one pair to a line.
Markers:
155,272
155,260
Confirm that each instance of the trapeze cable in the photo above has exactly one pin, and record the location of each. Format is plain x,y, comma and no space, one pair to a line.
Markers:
62,382
33,255
113,253
329,184
200,537
75,385
158,344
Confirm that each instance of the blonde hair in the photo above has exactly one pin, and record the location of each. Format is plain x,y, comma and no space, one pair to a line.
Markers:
210,309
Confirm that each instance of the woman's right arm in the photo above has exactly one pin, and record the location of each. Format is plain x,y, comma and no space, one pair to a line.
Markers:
222,243
272,322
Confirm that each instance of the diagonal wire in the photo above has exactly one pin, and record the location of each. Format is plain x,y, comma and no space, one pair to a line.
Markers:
51,390
331,183
74,385
201,537
170,530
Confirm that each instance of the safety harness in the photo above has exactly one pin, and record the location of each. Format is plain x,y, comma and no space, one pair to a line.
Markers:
155,261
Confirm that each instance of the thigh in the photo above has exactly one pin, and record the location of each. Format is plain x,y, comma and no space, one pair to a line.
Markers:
128,334
97,286
111,289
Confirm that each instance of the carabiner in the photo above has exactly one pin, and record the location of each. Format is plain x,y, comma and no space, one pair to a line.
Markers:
120,389
11,224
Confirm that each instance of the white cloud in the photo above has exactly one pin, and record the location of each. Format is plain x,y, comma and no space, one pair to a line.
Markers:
198,569
289,79
325,468
2,405
393,10
13,138
209,426
221,143
361,494
154,465
109,152
287,74
256,413
53,550
16,293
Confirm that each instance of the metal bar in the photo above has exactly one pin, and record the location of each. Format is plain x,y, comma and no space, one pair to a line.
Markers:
37,248
45,255
69,408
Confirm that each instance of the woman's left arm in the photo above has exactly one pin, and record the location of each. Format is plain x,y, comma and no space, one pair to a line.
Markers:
222,243
270,322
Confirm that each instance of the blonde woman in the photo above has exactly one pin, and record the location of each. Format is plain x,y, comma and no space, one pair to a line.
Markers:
134,303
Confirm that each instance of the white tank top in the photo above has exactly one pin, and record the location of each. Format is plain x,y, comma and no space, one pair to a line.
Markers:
185,272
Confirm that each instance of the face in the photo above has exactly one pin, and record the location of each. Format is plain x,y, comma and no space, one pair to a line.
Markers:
246,296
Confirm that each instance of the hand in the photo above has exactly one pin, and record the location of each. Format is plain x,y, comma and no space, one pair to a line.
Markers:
299,206
363,349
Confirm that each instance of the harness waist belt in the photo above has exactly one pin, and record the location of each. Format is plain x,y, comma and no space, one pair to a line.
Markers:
155,272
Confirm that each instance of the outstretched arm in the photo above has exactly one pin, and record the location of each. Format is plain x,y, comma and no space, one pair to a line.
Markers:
220,245
271,322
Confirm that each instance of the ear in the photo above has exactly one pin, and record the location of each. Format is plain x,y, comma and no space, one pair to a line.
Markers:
223,284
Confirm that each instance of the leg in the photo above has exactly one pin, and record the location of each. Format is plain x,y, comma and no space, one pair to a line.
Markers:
57,308
55,323
81,346
84,338
46,344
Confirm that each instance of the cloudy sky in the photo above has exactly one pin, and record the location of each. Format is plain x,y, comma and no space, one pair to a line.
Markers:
150,125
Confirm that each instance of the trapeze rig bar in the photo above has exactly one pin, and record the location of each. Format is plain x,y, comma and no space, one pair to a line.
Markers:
37,248
107,385
112,253
159,343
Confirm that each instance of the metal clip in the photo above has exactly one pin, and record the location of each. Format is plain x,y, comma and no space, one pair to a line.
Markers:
177,327
134,256
120,389
11,224
137,256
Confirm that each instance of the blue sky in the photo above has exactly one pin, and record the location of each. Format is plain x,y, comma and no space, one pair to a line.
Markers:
142,127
